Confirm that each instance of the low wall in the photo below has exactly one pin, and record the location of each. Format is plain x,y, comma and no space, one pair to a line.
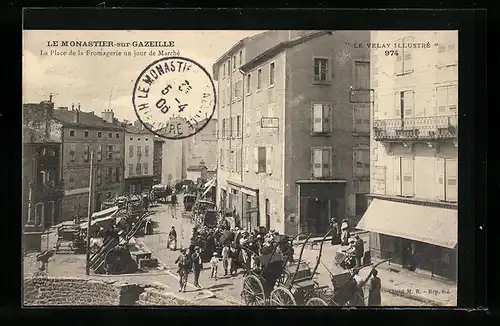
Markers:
92,292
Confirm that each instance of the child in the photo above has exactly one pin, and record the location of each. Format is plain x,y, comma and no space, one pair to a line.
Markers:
214,263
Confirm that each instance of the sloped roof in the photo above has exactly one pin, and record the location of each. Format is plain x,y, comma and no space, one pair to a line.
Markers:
134,130
32,136
86,119
196,167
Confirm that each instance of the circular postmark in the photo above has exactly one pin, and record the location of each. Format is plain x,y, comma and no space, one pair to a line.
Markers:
39,278
174,97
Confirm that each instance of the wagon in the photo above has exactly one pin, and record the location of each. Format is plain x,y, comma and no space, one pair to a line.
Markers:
260,282
189,201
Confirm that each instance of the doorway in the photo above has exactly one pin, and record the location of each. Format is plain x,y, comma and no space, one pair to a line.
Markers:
319,212
268,214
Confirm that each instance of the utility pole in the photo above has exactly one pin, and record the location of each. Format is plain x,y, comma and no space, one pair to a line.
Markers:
91,195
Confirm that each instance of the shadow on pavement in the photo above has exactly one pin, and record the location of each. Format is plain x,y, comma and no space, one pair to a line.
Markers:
218,286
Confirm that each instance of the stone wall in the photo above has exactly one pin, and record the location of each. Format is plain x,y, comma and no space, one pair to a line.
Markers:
91,292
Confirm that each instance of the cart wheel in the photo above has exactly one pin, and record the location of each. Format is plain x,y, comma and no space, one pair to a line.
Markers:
282,297
115,262
253,291
316,302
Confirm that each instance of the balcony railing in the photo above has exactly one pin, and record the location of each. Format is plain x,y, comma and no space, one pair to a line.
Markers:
421,128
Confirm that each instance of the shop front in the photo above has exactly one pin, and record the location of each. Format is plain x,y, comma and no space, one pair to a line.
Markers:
139,185
415,237
245,201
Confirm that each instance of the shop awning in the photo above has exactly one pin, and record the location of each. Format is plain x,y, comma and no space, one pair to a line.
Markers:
105,212
434,225
209,184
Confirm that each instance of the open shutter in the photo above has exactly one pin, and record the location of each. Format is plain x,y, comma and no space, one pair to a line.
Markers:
326,168
269,159
453,98
256,159
366,163
440,179
409,103
397,105
407,165
397,175
441,99
327,114
452,180
317,118
398,60
247,158
317,159
408,55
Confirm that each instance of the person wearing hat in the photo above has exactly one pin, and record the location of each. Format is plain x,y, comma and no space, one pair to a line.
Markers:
197,265
344,232
172,238
214,263
183,264
359,249
357,288
374,298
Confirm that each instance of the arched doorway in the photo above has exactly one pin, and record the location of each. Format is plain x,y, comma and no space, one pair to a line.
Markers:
268,214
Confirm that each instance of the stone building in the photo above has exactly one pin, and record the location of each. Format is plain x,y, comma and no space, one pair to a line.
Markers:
42,186
412,217
203,146
139,158
288,132
157,159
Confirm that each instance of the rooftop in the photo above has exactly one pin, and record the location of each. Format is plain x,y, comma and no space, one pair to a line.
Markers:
196,167
85,119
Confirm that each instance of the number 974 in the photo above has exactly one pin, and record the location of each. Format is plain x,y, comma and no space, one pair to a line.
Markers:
391,53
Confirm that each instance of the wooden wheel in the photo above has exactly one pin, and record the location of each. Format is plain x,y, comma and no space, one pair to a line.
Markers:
253,291
116,262
282,297
316,302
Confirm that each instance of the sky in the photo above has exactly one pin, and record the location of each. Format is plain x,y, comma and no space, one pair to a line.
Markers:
98,82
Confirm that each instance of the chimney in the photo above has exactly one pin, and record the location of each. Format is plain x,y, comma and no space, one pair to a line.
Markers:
78,106
108,115
63,108
138,125
72,107
125,121
202,163
76,116
48,107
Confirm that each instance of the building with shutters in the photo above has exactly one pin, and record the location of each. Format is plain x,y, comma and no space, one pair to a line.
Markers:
157,159
139,158
412,215
287,131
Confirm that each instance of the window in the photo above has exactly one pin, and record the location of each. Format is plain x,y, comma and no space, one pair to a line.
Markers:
238,126
221,158
241,57
404,61
361,75
117,174
447,179
237,159
99,153
447,55
223,131
257,121
249,83
131,151
39,213
248,118
361,162
50,176
404,109
447,99
229,159
41,177
321,69
86,133
232,124
361,118
117,153
321,118
224,70
130,169
99,177
110,135
86,153
72,133
228,67
109,175
260,159
110,152
403,176
321,162
259,79
51,152
246,158
71,180
117,135
234,62
72,151
145,168
138,151
138,169
146,151
271,74
99,134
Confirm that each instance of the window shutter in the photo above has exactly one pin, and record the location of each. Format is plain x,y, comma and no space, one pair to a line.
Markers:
247,158
440,178
408,54
453,98
397,105
327,114
366,163
451,180
407,164
441,99
317,118
397,175
256,159
317,160
398,60
269,159
409,102
326,167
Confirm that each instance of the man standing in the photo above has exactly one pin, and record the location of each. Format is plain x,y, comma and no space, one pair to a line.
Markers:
335,230
374,298
183,269
197,265
359,250
173,203
358,283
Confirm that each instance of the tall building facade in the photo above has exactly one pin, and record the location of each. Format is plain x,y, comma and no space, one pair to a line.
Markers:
412,215
157,159
286,129
139,158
